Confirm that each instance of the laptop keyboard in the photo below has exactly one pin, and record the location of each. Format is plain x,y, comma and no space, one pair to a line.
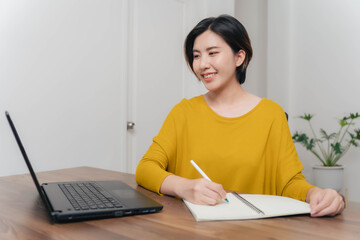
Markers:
89,196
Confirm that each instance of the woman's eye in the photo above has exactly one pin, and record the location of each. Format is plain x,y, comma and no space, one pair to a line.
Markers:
213,53
196,56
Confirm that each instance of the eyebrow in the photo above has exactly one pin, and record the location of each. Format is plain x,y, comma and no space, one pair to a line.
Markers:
207,49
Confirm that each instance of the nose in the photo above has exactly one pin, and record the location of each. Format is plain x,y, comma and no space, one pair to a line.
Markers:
204,62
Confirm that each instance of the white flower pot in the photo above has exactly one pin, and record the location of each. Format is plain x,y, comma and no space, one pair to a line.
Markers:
329,177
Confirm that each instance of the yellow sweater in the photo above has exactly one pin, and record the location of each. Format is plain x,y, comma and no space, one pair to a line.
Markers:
253,153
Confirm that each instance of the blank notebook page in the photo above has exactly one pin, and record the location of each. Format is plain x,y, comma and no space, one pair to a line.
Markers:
237,209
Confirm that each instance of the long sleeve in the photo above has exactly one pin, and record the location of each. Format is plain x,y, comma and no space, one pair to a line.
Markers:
290,181
152,169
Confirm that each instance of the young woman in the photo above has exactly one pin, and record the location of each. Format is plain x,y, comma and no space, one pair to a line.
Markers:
242,142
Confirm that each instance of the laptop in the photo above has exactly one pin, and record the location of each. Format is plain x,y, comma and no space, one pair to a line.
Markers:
85,200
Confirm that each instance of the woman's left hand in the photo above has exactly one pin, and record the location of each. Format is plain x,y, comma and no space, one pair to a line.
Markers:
324,202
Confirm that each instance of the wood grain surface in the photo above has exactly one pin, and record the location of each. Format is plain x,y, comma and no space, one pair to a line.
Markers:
23,216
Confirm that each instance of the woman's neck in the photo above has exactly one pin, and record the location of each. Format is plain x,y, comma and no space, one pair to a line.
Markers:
231,102
225,96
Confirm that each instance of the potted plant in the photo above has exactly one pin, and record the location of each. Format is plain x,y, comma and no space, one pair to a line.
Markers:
329,149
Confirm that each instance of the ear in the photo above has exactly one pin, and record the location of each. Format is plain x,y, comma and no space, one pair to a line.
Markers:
240,57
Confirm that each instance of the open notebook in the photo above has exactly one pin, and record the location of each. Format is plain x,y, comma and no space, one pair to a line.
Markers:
248,206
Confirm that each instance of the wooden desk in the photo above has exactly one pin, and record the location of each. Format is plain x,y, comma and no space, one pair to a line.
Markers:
22,216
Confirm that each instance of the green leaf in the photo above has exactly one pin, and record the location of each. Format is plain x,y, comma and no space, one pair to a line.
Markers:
325,135
343,122
310,145
337,148
354,116
306,117
302,138
354,143
357,131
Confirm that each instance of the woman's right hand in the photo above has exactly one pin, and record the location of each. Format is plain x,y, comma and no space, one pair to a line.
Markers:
198,191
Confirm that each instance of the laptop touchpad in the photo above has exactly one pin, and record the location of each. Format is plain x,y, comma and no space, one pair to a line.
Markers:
133,199
125,194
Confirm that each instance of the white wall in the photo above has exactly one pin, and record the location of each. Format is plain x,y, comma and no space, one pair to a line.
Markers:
325,73
60,72
253,15
312,53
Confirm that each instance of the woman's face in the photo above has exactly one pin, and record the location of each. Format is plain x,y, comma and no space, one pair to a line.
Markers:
215,62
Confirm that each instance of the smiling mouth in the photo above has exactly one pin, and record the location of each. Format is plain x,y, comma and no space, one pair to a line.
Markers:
208,75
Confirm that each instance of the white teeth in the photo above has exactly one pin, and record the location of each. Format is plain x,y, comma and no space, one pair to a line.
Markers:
209,75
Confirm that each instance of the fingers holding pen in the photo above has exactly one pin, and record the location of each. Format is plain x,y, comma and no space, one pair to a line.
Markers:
212,190
218,189
206,192
198,191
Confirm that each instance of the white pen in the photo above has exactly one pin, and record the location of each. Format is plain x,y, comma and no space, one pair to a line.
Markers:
202,173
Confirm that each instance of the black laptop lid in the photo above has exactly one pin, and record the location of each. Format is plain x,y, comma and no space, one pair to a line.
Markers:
23,152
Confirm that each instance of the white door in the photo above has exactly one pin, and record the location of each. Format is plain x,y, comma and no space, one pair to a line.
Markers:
158,75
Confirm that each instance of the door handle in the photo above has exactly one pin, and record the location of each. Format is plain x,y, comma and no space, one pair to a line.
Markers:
130,125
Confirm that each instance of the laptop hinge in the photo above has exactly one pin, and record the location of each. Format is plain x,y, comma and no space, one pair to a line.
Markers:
48,207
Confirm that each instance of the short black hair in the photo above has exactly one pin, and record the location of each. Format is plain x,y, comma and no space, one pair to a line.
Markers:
231,30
